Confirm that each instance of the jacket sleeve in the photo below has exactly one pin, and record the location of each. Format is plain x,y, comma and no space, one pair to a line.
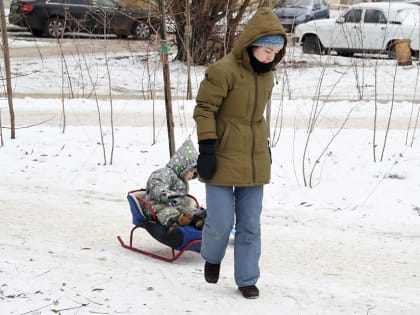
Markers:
158,185
213,89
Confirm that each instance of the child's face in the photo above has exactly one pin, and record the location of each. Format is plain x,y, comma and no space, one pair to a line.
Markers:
191,174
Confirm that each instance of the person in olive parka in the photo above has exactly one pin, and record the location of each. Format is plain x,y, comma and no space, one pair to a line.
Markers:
234,158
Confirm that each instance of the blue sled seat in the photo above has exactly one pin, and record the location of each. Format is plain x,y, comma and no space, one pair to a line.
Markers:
178,239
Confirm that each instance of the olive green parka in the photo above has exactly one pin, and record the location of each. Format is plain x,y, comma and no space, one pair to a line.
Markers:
230,106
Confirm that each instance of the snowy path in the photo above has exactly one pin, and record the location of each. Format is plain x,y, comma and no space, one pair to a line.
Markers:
63,248
350,245
61,211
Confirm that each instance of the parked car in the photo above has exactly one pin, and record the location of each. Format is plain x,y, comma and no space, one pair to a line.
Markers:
416,2
295,12
363,28
55,17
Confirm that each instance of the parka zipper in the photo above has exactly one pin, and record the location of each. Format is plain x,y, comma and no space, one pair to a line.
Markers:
252,127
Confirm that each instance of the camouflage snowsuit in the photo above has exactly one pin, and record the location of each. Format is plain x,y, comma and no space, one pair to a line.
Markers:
170,179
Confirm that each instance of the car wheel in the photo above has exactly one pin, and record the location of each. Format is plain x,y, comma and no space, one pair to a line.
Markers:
392,51
141,30
55,27
312,45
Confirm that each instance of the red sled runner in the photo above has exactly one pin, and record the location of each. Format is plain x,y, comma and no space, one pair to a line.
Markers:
179,239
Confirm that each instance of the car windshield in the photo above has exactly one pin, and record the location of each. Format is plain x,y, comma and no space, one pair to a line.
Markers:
298,3
409,16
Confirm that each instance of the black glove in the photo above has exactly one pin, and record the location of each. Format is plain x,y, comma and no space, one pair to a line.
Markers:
206,163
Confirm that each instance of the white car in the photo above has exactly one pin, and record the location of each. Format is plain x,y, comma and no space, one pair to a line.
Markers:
370,27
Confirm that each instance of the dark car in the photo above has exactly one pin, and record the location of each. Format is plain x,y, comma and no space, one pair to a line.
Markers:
53,18
295,12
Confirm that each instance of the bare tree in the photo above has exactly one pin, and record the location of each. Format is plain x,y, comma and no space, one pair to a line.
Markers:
1,132
215,26
390,113
7,66
411,119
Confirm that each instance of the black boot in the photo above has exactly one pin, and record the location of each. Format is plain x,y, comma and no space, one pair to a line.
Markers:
250,291
211,272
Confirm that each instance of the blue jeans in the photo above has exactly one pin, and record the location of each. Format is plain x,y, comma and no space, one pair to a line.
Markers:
224,204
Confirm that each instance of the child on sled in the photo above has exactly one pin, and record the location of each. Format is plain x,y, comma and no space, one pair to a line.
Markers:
167,187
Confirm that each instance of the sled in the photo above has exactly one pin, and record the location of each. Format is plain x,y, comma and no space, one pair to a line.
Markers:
179,239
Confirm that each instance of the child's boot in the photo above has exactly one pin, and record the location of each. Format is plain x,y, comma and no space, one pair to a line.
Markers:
185,218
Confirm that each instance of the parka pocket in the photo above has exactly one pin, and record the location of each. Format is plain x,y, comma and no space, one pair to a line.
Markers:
261,137
235,139
224,136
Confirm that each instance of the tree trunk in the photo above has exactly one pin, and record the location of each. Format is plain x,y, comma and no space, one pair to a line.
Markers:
8,71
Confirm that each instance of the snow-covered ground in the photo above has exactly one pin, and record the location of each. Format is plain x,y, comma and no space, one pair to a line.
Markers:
349,244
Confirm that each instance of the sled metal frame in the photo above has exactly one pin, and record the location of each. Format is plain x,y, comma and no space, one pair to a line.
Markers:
175,253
